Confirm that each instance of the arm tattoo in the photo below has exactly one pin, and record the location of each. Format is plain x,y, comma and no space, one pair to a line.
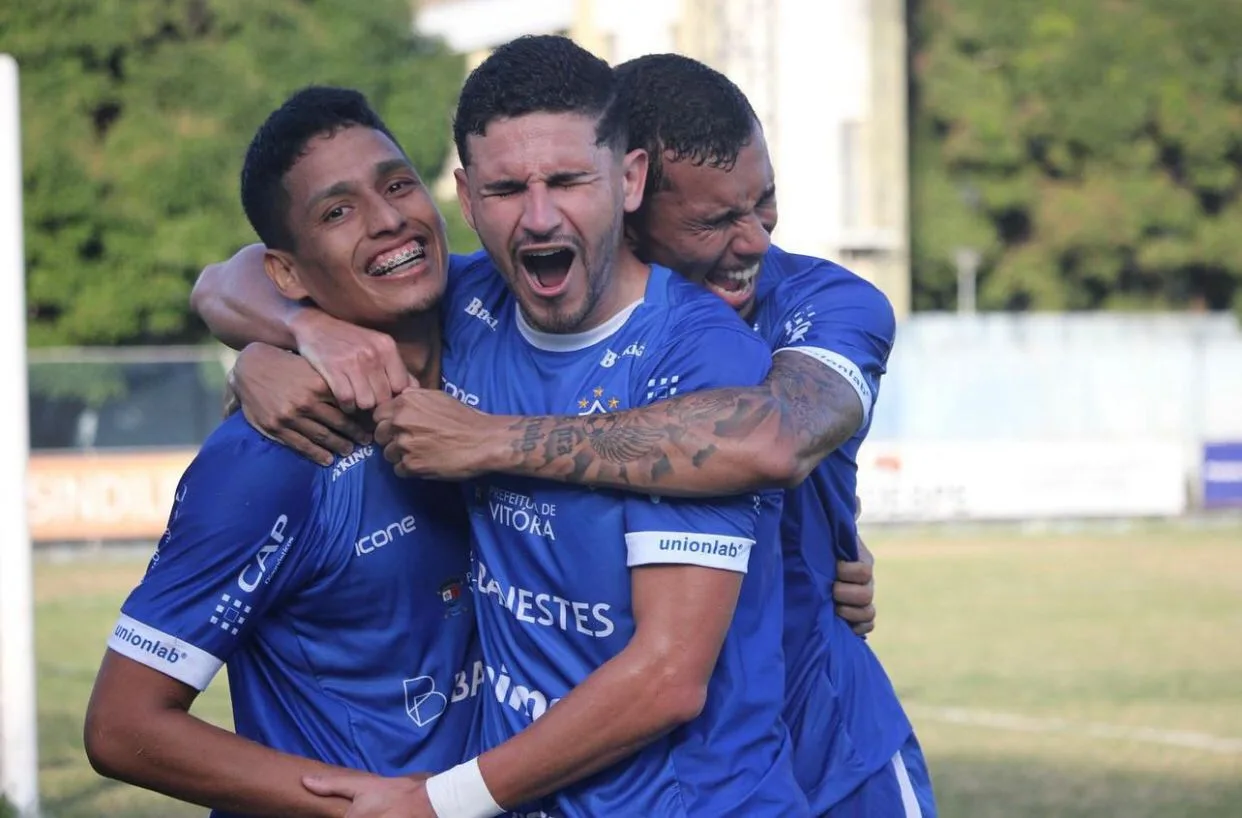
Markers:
702,443
819,408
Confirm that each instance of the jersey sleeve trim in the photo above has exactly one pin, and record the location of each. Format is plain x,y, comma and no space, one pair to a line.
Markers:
685,548
160,651
845,368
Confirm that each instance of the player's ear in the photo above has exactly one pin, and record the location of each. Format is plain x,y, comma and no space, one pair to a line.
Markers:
283,272
634,178
463,196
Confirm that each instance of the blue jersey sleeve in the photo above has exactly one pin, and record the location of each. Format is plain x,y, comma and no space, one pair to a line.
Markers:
713,533
842,321
236,545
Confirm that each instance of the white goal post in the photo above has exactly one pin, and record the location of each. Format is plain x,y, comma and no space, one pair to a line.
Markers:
19,755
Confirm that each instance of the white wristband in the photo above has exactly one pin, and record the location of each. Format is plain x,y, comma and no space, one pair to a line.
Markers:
462,793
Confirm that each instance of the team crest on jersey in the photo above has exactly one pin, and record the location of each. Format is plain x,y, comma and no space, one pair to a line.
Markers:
596,404
797,327
451,594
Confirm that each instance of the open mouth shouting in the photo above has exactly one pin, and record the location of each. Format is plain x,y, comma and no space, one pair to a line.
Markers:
736,287
547,267
406,260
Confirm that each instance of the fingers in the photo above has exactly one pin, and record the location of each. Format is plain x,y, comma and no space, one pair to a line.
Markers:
863,628
364,391
383,427
341,423
856,615
397,376
343,393
851,595
393,453
855,573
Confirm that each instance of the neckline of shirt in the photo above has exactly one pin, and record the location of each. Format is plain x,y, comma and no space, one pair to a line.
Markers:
572,341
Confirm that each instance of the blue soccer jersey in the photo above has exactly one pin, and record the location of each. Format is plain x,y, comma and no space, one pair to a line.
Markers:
842,711
552,562
337,596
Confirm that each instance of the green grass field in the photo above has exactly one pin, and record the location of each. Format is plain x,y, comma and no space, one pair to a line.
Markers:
1049,675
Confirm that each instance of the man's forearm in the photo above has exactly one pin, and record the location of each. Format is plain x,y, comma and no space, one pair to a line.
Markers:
704,444
179,755
240,305
712,443
621,707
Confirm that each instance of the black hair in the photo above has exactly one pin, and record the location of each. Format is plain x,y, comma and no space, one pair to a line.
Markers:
539,74
281,141
679,108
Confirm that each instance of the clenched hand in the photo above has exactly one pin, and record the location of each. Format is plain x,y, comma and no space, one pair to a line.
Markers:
426,433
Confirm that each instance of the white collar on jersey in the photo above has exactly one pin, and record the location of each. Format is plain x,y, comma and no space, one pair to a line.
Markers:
572,342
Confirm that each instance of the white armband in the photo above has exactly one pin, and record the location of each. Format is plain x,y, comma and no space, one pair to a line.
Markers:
462,793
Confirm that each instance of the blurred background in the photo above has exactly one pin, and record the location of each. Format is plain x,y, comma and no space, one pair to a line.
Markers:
1049,192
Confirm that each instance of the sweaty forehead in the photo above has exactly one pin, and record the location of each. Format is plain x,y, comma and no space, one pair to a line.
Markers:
536,145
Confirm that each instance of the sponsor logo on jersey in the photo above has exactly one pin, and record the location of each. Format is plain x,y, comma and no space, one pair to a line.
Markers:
345,463
596,404
520,512
475,308
634,350
424,703
386,535
230,614
545,609
263,566
164,539
155,647
661,388
529,701
457,392
693,545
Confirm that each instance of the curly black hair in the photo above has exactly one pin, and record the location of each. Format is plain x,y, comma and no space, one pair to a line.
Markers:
679,109
279,143
539,74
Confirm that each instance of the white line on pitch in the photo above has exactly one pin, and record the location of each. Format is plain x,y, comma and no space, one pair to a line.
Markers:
1026,724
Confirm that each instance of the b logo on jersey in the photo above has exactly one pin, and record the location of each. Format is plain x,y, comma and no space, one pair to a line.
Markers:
423,703
797,327
476,308
634,350
596,403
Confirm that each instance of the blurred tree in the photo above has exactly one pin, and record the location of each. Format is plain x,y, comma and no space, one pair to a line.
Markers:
1092,151
136,114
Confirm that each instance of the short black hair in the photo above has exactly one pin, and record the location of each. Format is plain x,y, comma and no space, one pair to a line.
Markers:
279,143
539,74
679,107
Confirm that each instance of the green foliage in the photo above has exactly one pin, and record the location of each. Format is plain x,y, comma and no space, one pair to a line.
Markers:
136,114
1092,151
461,238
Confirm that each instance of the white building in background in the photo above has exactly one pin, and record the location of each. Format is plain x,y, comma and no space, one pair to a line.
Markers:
826,77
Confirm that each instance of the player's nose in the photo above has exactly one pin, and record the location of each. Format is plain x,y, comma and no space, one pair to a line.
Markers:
540,214
383,217
752,239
